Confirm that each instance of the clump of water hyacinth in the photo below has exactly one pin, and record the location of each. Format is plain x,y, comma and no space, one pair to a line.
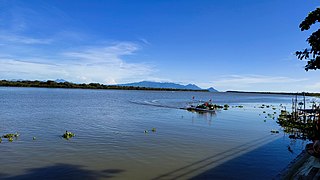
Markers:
153,130
10,136
68,135
225,107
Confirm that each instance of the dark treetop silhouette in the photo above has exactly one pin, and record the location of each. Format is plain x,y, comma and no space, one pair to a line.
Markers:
311,54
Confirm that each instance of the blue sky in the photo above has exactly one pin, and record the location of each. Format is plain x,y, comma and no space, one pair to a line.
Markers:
229,45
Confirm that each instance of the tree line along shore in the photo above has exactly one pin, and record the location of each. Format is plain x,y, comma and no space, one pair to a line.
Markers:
280,93
54,84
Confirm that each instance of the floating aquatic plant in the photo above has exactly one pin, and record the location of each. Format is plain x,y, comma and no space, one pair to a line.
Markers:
68,135
274,131
153,130
10,136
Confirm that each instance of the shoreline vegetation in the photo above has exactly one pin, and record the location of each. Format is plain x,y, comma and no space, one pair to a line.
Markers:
69,85
279,93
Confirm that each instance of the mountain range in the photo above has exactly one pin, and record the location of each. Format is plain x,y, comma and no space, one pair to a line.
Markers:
151,84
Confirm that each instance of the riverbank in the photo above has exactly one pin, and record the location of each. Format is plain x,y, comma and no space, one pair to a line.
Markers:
303,166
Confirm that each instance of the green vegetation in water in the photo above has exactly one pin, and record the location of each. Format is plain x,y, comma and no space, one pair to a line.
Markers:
68,135
10,136
152,130
225,107
274,131
271,116
299,129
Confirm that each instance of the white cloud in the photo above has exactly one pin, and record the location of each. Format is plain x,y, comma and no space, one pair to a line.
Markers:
315,87
23,39
254,79
109,54
145,41
91,64
254,82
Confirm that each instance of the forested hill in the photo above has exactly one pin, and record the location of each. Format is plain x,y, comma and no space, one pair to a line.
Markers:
54,84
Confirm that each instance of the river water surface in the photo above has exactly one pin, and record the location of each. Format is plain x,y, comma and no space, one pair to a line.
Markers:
110,141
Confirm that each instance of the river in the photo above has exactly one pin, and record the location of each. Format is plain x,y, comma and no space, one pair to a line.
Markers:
111,142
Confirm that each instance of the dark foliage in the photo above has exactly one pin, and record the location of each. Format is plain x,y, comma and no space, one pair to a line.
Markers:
53,84
311,54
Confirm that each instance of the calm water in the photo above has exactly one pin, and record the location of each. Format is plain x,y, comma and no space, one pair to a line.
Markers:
110,141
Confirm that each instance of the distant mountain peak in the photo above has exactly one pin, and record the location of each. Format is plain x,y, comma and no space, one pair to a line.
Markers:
60,80
211,89
152,84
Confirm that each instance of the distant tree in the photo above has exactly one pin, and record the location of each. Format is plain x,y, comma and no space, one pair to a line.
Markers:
311,54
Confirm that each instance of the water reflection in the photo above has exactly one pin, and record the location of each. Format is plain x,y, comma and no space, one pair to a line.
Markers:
207,116
64,171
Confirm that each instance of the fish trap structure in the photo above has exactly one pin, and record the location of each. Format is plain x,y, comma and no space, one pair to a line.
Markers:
301,122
